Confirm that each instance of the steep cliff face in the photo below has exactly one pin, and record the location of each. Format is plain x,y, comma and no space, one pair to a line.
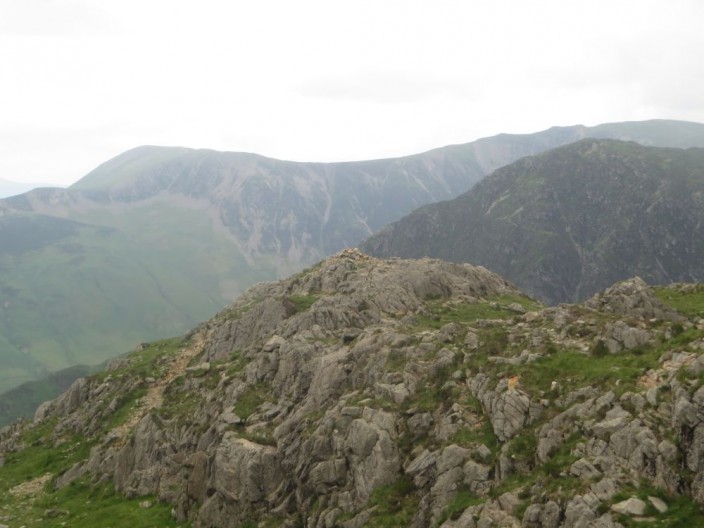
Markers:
365,392
567,223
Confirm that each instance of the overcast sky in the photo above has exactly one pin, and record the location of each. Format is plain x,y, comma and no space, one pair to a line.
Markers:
83,80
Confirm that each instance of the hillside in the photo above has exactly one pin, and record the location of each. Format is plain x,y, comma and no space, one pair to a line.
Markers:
371,393
567,223
157,239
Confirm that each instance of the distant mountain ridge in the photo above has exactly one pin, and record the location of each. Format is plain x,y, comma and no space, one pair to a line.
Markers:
12,188
158,238
566,223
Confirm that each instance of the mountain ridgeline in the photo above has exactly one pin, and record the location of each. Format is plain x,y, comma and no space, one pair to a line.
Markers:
158,239
368,393
565,224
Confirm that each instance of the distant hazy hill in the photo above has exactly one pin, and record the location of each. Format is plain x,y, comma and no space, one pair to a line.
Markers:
12,188
157,239
567,223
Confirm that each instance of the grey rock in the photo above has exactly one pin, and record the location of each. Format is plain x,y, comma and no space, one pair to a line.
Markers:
508,412
632,506
606,427
509,502
604,489
421,463
668,450
449,332
582,468
328,472
471,341
245,472
482,453
634,298
420,423
578,513
517,308
200,368
477,477
658,504
531,517
550,516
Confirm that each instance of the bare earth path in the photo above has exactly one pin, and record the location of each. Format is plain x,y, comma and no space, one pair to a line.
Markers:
154,397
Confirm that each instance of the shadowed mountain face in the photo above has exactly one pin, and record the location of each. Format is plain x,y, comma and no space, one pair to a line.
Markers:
157,239
567,223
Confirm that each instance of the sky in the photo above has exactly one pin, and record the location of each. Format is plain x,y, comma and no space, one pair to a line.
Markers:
83,80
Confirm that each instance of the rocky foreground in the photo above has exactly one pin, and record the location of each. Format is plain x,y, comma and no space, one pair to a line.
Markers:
367,392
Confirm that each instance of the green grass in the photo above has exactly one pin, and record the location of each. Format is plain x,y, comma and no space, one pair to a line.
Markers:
459,503
682,511
123,412
99,507
262,435
394,505
441,313
469,437
572,369
689,301
41,457
251,398
562,459
300,303
117,280
150,361
78,505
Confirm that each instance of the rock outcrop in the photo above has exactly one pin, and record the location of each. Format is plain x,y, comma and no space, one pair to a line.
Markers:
365,392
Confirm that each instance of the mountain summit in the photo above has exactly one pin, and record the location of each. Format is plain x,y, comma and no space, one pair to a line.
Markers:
376,393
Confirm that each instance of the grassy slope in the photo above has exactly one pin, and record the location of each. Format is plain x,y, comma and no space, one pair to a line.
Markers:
100,292
80,504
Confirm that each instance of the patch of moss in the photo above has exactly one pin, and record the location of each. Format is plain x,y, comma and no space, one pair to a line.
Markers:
299,303
43,455
128,404
469,436
688,300
459,503
682,511
394,504
251,398
81,505
149,361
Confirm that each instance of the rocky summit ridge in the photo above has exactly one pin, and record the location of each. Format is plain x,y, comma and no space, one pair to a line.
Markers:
367,392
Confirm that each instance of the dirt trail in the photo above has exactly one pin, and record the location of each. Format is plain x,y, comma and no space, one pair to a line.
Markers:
154,397
151,400
31,487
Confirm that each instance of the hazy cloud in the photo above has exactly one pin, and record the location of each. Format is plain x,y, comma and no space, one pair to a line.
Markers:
52,18
81,81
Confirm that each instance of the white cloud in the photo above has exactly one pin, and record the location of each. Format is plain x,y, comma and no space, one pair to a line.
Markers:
81,81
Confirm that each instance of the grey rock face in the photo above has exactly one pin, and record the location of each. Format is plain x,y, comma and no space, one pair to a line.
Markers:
634,298
632,506
344,409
